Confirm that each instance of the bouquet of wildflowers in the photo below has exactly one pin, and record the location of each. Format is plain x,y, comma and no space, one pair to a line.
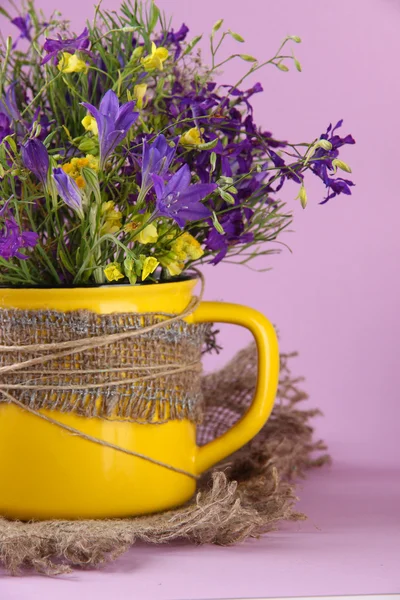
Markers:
122,159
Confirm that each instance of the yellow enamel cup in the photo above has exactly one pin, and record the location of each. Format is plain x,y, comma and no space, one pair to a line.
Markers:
47,473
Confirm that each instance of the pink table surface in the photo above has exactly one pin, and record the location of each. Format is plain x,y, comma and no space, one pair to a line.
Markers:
349,545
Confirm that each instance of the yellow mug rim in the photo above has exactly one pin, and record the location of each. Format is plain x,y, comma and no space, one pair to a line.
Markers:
94,286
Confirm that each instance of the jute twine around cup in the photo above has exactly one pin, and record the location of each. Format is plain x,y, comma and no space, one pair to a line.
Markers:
136,367
245,496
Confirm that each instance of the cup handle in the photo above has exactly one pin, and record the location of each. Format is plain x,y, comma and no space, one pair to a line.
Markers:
267,379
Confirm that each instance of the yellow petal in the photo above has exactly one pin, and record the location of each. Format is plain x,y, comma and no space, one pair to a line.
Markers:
149,266
148,235
107,206
90,124
175,268
113,272
192,137
80,182
162,53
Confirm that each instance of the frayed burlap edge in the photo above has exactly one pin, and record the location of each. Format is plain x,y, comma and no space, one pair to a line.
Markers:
246,496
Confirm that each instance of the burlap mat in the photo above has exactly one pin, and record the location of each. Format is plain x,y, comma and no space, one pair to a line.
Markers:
245,496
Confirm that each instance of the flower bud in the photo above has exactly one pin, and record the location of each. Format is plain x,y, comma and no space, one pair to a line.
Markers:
217,26
340,164
248,58
217,224
139,92
297,65
213,161
324,144
236,36
226,196
89,146
137,53
282,67
302,196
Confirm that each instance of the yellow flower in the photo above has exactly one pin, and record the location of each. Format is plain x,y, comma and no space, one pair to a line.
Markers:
149,266
107,207
70,63
67,168
131,226
113,272
90,124
170,262
193,137
75,166
174,268
139,92
148,235
80,182
156,59
112,218
186,246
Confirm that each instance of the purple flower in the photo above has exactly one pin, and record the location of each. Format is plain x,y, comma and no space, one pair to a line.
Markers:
233,226
8,104
113,122
36,159
181,201
174,39
156,160
322,163
24,24
5,128
12,239
71,45
68,191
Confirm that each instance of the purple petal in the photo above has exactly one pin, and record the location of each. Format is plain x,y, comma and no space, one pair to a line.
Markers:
194,212
197,192
67,189
159,186
126,117
36,159
109,105
179,181
100,119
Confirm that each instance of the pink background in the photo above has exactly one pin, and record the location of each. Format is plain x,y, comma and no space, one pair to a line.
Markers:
335,299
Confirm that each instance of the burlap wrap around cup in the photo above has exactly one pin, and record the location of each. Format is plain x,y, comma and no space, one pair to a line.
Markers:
155,371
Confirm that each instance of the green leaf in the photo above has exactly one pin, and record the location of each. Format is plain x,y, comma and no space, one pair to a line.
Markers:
153,17
65,261
11,142
4,13
236,36
48,139
294,38
92,182
297,65
192,44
